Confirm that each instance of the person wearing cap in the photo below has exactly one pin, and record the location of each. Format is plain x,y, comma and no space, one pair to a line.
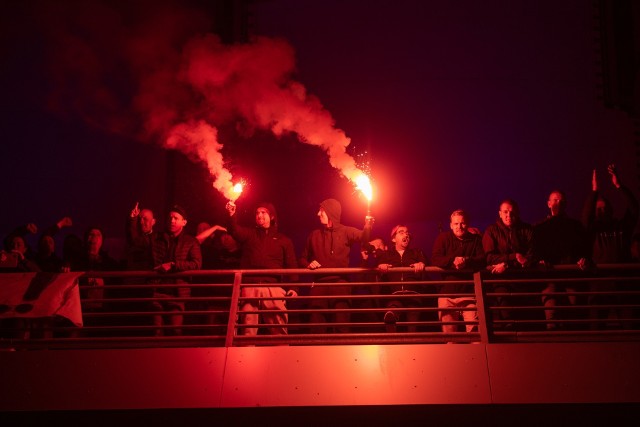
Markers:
400,254
329,247
182,254
263,247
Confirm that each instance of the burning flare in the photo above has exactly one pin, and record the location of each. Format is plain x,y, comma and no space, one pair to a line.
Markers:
237,190
364,185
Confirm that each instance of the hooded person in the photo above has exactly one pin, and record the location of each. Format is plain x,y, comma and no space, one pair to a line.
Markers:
263,247
329,247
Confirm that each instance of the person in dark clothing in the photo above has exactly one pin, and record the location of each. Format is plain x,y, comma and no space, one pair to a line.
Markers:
182,254
46,256
330,247
145,247
458,249
146,250
263,247
609,237
93,257
220,251
507,244
401,255
16,243
559,239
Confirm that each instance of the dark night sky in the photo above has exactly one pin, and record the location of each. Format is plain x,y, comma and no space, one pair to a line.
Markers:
460,104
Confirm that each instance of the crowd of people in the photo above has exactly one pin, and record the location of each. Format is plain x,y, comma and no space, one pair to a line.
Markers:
508,244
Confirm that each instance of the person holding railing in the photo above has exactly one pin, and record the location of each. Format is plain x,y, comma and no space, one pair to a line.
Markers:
508,244
401,254
263,247
329,247
458,249
559,239
94,257
182,254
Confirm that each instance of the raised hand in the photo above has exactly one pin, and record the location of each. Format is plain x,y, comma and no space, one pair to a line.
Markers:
136,210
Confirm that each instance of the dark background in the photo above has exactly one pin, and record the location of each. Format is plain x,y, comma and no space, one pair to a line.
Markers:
458,105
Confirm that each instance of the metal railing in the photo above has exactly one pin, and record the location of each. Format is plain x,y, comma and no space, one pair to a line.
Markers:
600,304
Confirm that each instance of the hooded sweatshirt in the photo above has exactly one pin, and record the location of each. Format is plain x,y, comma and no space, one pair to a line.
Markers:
331,246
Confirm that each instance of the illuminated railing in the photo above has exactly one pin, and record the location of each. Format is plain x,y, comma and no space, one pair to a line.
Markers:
119,314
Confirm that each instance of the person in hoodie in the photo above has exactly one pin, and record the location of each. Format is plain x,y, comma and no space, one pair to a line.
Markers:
329,247
263,247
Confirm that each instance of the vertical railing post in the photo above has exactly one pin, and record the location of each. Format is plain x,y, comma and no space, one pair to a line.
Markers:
233,309
483,320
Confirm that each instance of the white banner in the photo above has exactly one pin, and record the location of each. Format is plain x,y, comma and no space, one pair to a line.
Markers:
40,295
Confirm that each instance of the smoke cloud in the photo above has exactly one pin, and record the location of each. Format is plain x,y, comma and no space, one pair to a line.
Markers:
156,74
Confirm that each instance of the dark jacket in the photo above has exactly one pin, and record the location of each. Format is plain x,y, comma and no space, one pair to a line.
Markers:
560,240
610,238
184,251
331,246
501,243
264,247
447,247
144,251
395,259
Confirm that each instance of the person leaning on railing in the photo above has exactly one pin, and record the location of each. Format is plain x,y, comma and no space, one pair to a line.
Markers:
263,247
507,244
458,249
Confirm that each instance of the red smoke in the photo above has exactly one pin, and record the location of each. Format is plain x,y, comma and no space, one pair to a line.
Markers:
182,86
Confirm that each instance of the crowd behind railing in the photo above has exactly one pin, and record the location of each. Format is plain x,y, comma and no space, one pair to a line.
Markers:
475,285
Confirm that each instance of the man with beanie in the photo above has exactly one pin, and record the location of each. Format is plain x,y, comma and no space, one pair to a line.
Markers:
263,247
329,247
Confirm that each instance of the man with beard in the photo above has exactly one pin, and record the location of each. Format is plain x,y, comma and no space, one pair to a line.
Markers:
263,247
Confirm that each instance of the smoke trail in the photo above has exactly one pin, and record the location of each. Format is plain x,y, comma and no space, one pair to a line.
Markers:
183,87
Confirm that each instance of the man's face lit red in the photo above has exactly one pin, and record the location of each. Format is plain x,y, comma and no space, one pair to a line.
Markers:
401,238
458,225
94,240
556,203
322,215
508,215
176,223
18,245
47,245
263,219
146,221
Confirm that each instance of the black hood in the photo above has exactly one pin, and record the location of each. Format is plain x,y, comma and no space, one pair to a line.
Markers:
333,209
